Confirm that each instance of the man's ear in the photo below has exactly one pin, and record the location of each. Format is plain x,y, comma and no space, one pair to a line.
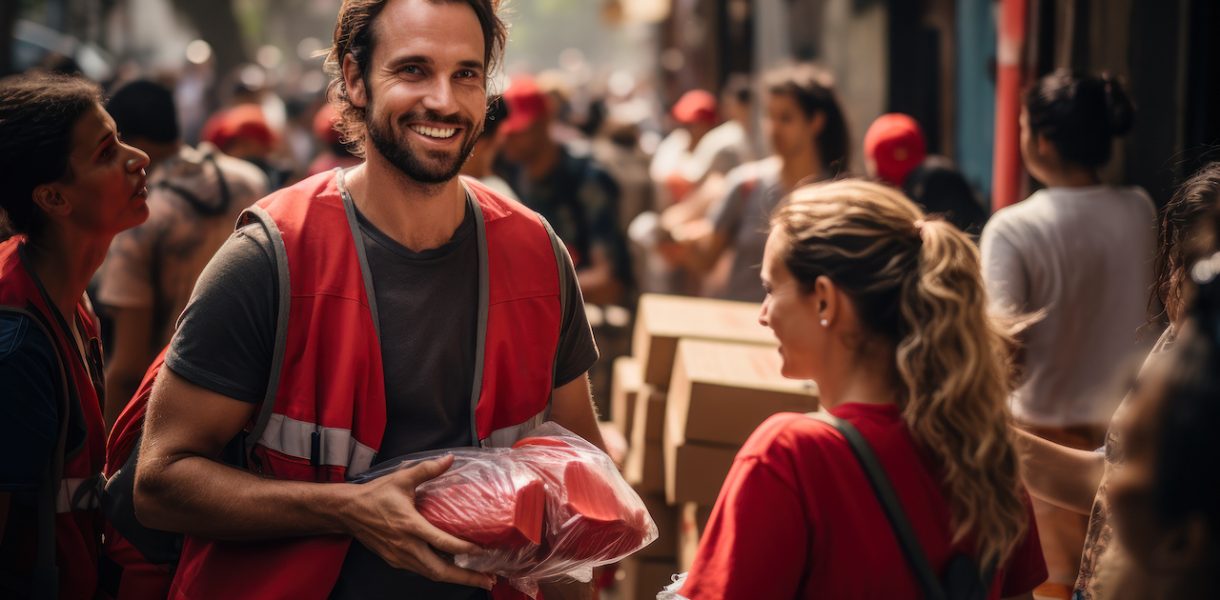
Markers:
50,201
354,81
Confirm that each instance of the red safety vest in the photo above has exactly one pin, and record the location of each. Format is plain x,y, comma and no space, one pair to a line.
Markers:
77,519
328,406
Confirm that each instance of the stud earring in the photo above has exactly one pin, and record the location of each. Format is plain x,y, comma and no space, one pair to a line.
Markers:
824,323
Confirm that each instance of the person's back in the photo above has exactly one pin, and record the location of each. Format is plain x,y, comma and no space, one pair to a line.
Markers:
1080,257
194,199
1077,257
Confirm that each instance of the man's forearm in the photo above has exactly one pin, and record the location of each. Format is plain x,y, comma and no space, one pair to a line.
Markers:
1065,477
199,496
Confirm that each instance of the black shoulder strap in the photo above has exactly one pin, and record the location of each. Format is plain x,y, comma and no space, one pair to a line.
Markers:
907,540
46,571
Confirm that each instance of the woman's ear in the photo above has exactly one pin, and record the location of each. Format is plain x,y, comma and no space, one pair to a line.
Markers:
50,201
817,123
825,299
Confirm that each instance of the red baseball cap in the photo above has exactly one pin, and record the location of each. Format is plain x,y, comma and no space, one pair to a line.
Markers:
696,106
896,145
324,124
241,121
526,104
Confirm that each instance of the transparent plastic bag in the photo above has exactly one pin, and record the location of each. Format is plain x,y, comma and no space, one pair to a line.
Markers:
550,508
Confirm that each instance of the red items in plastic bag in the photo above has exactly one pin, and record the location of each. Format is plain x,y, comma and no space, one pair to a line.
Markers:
553,506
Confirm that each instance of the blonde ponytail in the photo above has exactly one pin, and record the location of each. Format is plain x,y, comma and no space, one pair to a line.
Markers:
957,384
918,284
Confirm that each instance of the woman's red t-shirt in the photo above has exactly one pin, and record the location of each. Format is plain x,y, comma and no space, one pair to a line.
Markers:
797,517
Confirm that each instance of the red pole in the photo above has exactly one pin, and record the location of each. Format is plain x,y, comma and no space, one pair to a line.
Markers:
1006,174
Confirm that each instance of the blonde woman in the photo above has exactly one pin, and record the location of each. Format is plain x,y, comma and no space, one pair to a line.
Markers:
887,313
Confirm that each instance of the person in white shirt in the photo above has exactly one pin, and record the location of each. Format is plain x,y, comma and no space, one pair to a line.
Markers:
1077,257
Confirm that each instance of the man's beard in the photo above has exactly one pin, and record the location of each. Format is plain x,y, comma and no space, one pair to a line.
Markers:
432,167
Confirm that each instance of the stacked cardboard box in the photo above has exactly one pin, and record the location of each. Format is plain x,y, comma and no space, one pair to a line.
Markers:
703,375
663,320
720,393
624,389
691,521
641,579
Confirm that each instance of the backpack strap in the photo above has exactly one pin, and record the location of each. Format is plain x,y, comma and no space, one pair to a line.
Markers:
918,561
45,583
201,207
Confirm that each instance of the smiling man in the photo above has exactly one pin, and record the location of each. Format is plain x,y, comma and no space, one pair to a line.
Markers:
357,317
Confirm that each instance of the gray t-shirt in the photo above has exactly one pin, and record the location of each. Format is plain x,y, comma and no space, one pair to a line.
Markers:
427,306
744,217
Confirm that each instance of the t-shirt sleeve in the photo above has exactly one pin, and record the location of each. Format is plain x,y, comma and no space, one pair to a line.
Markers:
1026,568
577,349
1003,269
29,414
754,545
226,336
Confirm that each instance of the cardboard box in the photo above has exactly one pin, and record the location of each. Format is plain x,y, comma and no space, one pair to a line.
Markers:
645,469
695,472
692,520
624,388
648,422
640,579
721,392
661,321
666,518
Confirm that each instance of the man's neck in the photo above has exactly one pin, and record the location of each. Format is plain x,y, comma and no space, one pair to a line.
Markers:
417,215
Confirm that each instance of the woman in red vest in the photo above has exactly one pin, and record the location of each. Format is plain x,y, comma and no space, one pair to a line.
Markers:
70,186
887,313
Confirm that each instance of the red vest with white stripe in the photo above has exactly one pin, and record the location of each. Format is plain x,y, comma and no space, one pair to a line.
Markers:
77,532
328,403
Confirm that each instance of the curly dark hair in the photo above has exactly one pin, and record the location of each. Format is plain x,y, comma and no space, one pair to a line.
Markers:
37,114
354,36
1183,238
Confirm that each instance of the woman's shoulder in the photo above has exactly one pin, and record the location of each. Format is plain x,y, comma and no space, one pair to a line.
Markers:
792,436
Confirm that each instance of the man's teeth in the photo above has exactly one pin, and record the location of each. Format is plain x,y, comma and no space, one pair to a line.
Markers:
434,132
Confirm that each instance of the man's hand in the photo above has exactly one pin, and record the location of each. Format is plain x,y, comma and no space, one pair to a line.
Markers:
383,518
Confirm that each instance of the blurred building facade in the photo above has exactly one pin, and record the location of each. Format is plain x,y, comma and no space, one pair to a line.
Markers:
936,60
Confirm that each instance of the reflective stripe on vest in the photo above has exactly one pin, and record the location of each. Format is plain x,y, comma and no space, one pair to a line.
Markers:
507,436
77,494
337,447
